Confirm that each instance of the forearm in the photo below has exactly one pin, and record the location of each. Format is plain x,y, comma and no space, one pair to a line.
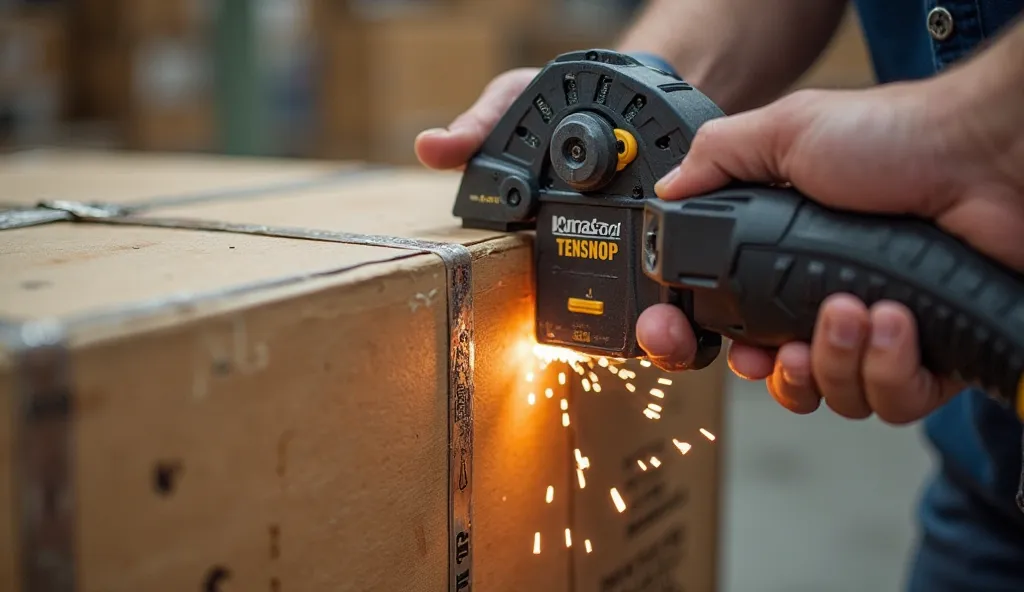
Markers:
982,98
741,53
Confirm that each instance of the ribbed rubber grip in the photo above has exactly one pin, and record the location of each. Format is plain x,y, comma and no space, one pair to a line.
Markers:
761,261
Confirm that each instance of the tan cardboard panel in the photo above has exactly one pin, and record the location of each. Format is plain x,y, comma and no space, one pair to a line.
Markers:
9,551
70,269
410,203
28,177
519,449
667,534
302,444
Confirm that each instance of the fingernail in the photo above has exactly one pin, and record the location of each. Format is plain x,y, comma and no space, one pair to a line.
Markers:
843,333
669,364
434,131
884,333
667,180
795,378
676,333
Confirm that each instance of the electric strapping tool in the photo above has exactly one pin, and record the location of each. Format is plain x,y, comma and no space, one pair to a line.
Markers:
576,158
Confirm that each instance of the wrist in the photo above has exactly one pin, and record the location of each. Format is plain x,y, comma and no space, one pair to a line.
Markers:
979,103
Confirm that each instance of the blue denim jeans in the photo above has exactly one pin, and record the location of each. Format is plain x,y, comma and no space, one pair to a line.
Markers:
967,544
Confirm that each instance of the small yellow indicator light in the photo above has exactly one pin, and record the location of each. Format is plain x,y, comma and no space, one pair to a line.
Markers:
584,306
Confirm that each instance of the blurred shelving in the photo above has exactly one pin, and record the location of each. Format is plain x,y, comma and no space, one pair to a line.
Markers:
304,78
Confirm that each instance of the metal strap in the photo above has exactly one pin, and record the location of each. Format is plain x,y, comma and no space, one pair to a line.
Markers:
43,457
458,263
48,212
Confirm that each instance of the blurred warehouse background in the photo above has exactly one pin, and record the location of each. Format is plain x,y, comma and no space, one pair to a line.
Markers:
305,78
813,503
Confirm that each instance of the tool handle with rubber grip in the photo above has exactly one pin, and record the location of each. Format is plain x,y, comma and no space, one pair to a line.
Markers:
760,261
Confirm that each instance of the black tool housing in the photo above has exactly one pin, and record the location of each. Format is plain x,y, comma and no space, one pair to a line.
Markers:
750,263
555,164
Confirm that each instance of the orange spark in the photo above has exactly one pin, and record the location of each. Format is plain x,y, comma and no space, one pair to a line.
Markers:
529,377
550,496
586,385
561,378
536,543
653,407
565,420
630,387
531,399
568,538
586,544
617,499
652,414
563,404
665,381
597,387
548,354
645,363
581,478
655,462
549,393
658,393
643,467
707,434
682,446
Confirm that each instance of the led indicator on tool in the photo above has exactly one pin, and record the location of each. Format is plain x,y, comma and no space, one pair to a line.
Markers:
584,306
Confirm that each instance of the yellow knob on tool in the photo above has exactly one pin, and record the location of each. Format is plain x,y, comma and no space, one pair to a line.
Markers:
627,148
1020,398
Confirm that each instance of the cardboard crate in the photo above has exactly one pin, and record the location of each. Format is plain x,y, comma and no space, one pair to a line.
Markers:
268,409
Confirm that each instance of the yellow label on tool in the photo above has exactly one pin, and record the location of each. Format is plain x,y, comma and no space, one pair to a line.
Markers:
487,199
584,306
580,248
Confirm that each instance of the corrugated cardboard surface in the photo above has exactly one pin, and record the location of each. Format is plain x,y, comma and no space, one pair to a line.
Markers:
667,539
295,437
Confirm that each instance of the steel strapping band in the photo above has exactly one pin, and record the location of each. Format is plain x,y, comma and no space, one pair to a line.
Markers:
47,212
43,456
458,262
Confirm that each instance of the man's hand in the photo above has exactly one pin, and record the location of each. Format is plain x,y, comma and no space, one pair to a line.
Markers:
892,149
452,147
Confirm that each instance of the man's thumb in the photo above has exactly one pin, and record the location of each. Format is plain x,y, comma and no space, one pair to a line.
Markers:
451,147
743,147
